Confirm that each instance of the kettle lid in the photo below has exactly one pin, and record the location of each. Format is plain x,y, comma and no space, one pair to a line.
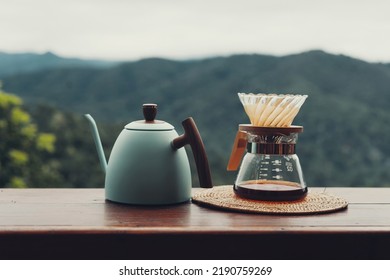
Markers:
149,123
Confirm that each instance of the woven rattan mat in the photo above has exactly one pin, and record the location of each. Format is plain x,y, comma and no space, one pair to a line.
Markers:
223,197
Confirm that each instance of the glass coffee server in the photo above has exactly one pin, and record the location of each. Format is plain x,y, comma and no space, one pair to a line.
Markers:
270,169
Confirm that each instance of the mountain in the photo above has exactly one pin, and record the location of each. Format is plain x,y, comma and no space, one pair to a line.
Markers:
27,62
345,117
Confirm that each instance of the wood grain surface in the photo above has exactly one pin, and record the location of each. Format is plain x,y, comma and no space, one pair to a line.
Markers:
80,224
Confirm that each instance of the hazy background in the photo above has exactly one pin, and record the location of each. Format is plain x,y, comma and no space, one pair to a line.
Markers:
133,29
62,59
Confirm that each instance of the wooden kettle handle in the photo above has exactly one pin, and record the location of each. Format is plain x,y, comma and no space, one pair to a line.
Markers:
192,137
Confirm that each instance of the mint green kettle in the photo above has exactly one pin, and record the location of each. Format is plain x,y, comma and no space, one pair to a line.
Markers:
148,164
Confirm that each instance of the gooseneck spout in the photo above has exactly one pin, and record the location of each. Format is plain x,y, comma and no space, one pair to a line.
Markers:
98,143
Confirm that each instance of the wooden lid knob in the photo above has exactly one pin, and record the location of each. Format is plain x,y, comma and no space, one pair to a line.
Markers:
150,111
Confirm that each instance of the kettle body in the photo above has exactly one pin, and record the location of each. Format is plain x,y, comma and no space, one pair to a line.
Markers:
148,164
144,169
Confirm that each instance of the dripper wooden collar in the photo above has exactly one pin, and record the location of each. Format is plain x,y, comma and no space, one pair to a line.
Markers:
270,130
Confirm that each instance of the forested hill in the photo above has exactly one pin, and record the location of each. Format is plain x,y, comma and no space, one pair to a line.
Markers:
345,118
16,63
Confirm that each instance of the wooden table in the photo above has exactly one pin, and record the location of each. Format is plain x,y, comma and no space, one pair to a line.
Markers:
80,224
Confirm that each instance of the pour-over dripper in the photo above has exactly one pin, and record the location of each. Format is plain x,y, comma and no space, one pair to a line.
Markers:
278,110
270,169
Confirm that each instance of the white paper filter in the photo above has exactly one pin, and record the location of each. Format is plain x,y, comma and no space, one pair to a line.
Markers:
276,110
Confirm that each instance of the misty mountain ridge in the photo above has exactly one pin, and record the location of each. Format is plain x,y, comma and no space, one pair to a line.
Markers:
17,63
345,117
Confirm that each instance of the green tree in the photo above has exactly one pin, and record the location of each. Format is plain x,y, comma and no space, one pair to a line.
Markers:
22,147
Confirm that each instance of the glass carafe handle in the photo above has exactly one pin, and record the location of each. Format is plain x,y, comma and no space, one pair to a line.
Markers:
238,151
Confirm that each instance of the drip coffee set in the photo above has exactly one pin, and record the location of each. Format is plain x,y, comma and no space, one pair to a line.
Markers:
148,164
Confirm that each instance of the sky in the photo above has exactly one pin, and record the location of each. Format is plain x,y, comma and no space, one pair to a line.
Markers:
186,29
